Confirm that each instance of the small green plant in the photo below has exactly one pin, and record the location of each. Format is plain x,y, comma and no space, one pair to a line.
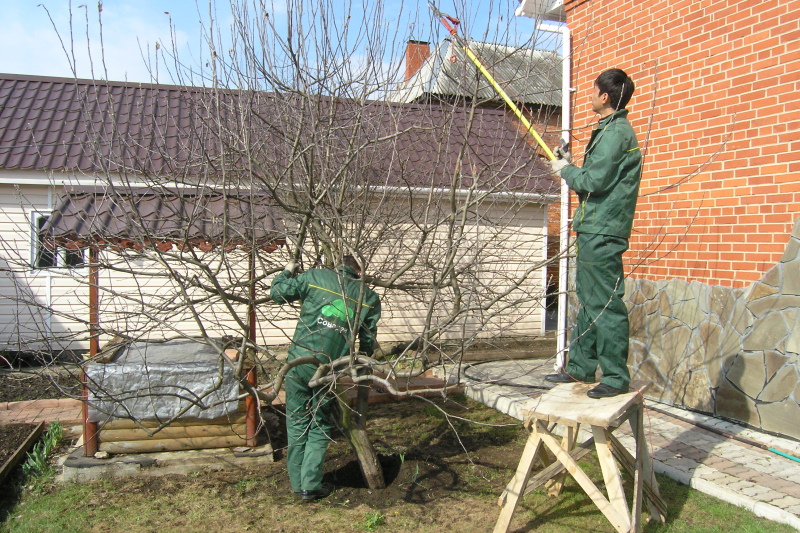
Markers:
373,520
36,464
414,477
402,458
245,484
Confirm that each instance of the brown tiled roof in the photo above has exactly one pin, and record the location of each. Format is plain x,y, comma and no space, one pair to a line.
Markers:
163,218
81,125
66,124
495,156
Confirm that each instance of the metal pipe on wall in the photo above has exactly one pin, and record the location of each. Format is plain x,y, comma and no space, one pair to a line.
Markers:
566,127
90,444
251,403
563,265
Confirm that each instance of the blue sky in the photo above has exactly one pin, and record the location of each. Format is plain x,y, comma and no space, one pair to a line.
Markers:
32,44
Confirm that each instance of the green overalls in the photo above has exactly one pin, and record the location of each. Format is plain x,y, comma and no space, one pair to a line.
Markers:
607,186
327,314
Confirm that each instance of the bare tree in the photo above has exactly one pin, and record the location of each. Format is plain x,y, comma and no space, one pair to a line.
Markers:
278,144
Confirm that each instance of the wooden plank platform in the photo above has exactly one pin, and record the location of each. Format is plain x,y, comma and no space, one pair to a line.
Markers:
569,406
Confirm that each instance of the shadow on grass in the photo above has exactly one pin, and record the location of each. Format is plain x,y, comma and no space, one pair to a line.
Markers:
425,451
573,510
574,506
10,493
687,508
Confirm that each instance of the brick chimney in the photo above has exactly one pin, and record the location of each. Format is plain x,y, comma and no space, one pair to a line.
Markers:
416,54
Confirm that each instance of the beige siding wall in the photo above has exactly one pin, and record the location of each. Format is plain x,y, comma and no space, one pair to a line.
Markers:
20,322
511,237
498,249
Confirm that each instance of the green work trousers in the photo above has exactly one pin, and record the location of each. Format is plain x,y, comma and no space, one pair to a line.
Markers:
601,331
308,428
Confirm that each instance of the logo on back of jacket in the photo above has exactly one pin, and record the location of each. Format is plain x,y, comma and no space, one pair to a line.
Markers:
336,310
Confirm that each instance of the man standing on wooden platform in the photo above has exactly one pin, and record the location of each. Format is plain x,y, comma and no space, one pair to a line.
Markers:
327,316
607,186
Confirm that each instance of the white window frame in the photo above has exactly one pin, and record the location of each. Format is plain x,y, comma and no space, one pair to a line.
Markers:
64,258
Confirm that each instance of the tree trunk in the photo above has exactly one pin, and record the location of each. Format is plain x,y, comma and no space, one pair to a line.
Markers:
354,426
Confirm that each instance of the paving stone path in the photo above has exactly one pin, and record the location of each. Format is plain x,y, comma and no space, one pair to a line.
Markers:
65,410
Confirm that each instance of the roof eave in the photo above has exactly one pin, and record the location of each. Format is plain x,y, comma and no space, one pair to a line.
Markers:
552,10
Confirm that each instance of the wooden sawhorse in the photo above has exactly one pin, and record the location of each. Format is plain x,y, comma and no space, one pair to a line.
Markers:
569,406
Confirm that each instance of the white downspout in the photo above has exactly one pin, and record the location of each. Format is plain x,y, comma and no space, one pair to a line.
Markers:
566,127
563,264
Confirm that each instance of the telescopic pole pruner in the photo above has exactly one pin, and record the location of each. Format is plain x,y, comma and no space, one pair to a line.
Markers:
451,24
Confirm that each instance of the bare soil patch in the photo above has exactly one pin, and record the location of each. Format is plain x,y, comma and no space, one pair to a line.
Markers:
38,384
425,455
11,437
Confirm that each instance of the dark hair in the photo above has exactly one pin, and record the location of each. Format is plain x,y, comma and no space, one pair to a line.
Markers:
350,261
618,85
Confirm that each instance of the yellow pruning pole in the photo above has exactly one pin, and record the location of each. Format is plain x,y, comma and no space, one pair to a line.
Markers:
452,28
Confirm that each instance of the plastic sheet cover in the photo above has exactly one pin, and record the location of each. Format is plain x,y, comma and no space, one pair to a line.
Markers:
159,380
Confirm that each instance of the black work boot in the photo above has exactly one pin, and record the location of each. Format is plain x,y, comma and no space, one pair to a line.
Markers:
313,495
605,391
561,377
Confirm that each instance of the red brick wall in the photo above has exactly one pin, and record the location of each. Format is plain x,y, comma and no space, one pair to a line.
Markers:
720,80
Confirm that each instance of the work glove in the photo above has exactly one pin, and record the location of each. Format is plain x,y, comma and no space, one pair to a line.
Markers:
557,165
291,266
563,153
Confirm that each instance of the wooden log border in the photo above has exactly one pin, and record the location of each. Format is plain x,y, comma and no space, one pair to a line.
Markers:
20,452
122,436
233,419
172,445
174,432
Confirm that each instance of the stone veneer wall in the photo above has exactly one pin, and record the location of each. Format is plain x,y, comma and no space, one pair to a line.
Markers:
728,352
733,353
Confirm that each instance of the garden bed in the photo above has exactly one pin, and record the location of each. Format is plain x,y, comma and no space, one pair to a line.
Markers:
24,386
15,441
38,385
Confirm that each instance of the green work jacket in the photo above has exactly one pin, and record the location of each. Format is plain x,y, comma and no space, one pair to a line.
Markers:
608,182
328,312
